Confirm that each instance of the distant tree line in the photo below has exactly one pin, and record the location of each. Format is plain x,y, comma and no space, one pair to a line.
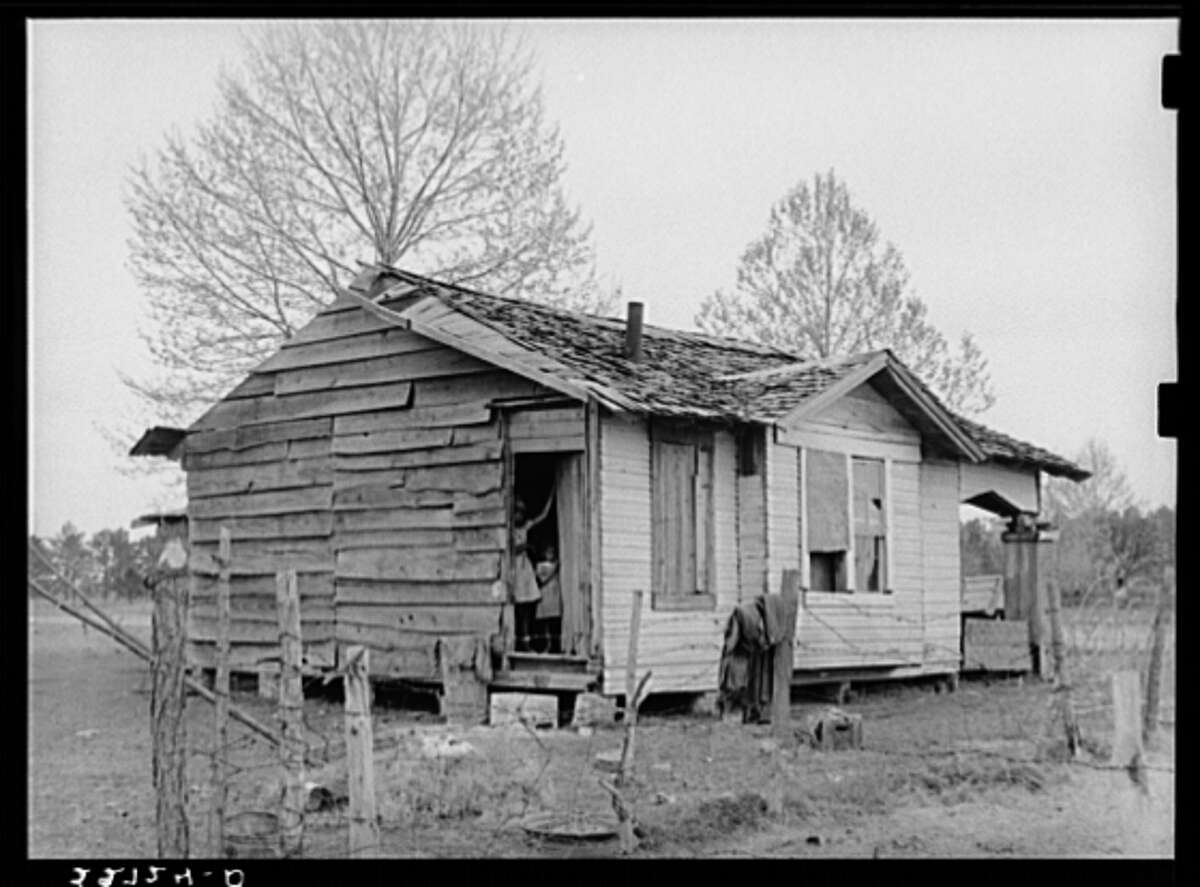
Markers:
1108,547
109,565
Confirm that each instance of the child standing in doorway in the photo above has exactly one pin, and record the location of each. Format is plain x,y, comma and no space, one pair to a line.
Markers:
526,592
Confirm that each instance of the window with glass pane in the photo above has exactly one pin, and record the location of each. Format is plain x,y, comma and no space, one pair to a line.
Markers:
870,525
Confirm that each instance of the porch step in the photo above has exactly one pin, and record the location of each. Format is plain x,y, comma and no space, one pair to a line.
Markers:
543,680
556,662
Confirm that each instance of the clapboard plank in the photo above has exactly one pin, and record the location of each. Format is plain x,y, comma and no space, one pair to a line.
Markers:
281,475
447,455
416,593
409,366
257,435
315,499
394,441
262,454
261,410
381,494
277,526
444,565
469,413
316,586
343,349
479,619
253,385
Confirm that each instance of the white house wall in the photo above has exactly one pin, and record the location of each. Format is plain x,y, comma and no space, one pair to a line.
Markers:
942,566
683,648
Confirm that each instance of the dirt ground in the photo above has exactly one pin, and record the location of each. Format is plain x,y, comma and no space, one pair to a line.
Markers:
974,773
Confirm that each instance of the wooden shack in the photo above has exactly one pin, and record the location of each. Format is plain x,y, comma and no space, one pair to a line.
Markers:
381,452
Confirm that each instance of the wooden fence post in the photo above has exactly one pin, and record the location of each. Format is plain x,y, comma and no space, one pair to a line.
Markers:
360,754
220,761
1162,617
1127,724
291,712
167,698
623,809
1062,685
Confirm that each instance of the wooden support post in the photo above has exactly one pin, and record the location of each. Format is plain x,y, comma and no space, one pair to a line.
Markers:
220,761
360,755
781,700
1162,618
167,698
1127,724
623,809
291,712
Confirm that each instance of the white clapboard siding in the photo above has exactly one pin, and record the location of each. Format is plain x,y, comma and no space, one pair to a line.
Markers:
943,573
683,648
783,509
725,521
867,628
752,536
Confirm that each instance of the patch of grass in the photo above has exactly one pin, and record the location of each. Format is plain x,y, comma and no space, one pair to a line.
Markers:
959,779
713,820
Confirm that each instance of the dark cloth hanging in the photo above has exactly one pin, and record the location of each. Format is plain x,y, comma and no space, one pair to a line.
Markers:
754,633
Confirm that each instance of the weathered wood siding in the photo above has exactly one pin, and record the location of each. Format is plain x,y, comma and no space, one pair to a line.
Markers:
683,648
783,509
751,536
862,629
366,457
942,568
864,412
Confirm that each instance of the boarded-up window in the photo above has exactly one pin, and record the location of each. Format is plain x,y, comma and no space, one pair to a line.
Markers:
681,477
870,525
828,507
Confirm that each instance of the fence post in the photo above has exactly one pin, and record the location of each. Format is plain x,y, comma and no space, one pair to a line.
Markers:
1127,724
621,806
360,754
1162,617
220,761
291,712
1062,685
167,698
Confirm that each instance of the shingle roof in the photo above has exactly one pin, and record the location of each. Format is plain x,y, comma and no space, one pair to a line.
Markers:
1004,448
690,374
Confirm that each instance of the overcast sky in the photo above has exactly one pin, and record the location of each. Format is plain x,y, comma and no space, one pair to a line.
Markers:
1025,169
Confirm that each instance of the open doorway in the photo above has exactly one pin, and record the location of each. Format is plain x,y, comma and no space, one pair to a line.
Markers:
548,537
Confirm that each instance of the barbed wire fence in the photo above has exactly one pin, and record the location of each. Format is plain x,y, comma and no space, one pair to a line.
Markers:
422,778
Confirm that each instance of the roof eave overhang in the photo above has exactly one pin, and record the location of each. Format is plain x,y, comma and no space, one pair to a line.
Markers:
937,415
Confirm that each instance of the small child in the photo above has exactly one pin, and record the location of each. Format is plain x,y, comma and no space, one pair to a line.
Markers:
549,607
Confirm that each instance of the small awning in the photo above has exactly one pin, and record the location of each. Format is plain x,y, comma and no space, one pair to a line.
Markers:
159,441
174,515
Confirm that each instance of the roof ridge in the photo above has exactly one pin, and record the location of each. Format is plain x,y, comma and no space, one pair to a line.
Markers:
727,342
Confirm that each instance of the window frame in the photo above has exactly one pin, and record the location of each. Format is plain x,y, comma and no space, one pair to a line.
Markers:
702,440
849,554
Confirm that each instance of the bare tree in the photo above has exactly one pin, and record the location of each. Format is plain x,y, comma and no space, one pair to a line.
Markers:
820,282
418,144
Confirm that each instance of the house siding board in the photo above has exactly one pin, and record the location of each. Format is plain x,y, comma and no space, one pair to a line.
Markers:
939,483
683,648
396,487
782,514
429,513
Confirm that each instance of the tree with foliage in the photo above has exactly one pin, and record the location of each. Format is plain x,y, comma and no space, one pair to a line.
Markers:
820,282
1104,534
418,144
981,549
